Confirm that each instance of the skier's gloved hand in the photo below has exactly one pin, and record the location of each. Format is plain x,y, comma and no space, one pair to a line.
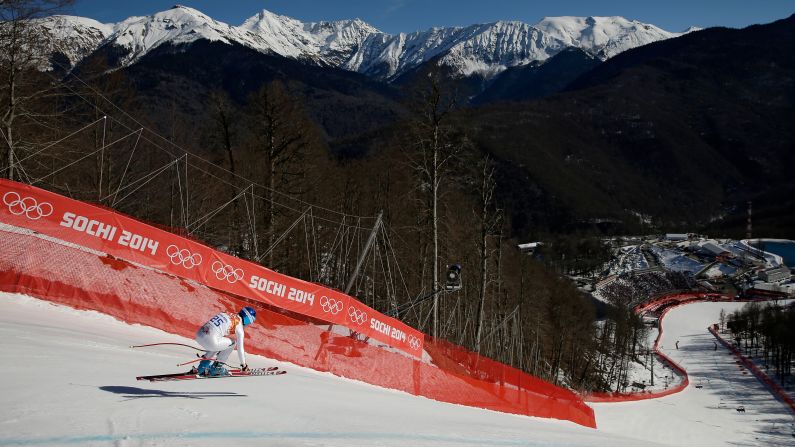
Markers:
244,368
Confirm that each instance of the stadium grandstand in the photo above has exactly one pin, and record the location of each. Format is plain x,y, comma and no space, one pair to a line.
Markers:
632,288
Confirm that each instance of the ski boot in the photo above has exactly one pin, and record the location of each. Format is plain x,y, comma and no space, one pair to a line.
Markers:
204,368
217,370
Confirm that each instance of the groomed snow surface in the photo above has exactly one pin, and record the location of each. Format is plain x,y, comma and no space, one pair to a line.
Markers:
705,416
69,379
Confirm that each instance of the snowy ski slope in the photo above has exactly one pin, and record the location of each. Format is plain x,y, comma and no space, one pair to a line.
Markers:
69,379
705,413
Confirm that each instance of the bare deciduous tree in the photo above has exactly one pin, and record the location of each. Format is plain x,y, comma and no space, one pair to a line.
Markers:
435,147
284,138
23,50
490,218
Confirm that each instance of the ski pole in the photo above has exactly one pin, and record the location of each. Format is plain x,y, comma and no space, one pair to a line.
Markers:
160,344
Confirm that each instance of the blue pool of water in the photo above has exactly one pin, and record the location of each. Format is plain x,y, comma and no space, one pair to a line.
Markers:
784,249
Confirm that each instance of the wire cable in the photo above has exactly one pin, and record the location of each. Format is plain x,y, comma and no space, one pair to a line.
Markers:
112,104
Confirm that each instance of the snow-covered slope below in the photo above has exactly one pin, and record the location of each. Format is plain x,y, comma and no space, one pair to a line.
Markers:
705,413
69,379
484,49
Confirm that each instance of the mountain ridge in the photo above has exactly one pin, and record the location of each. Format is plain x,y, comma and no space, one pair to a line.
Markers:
354,45
682,130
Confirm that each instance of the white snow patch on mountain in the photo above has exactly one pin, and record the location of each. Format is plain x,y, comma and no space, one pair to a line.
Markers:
605,36
75,37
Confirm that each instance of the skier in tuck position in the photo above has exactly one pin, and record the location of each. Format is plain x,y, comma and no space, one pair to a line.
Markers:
213,337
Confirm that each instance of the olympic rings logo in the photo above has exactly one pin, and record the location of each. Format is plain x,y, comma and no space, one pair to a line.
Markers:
330,305
183,257
226,272
28,206
414,342
356,315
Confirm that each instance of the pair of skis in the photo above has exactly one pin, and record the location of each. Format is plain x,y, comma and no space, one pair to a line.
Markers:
254,372
191,375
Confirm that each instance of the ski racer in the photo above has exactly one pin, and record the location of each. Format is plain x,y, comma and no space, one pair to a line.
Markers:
214,338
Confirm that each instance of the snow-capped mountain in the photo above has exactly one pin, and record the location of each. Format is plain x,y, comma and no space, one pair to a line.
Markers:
603,36
490,48
332,43
75,37
478,49
178,25
484,49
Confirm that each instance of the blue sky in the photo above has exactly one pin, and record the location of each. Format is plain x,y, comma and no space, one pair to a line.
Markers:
410,15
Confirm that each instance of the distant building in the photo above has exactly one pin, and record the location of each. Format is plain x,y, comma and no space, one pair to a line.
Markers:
676,237
716,251
530,248
776,274
650,320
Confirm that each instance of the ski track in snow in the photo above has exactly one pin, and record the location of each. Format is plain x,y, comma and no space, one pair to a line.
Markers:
70,380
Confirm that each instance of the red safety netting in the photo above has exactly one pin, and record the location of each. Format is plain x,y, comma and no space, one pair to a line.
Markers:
73,275
124,237
660,302
509,383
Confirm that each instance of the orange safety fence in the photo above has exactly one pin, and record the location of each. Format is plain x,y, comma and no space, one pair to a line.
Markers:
83,277
121,236
657,303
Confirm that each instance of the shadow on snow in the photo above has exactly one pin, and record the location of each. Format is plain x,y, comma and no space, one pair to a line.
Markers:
131,392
